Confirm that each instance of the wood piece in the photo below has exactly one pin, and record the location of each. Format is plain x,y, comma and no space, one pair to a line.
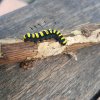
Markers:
17,52
54,78
20,51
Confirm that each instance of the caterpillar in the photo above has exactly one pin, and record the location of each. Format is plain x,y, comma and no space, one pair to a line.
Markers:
44,35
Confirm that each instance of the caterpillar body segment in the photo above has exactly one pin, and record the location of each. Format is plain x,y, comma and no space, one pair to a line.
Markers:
27,37
44,35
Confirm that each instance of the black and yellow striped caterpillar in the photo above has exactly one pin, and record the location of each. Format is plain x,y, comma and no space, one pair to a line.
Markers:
44,35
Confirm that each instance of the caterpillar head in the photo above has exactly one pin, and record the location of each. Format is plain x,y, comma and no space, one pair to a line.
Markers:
27,37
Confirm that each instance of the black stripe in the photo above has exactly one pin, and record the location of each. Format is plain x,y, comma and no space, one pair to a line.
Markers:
50,35
30,37
45,35
58,37
55,35
40,37
36,39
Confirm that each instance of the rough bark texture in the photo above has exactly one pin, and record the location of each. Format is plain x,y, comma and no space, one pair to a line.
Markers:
19,52
54,78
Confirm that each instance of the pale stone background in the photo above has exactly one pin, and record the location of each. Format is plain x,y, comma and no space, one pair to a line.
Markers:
7,6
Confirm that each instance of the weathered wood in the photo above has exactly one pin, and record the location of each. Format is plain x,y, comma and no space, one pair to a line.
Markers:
54,78
19,52
15,51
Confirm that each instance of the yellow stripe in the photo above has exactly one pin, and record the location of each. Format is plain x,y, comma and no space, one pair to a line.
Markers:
41,33
62,38
46,31
33,35
50,31
37,35
58,32
54,31
65,42
24,37
28,35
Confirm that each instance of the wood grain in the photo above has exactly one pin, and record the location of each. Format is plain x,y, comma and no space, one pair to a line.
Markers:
20,52
17,50
54,78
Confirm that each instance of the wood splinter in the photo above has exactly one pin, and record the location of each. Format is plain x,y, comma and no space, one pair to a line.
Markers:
12,51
